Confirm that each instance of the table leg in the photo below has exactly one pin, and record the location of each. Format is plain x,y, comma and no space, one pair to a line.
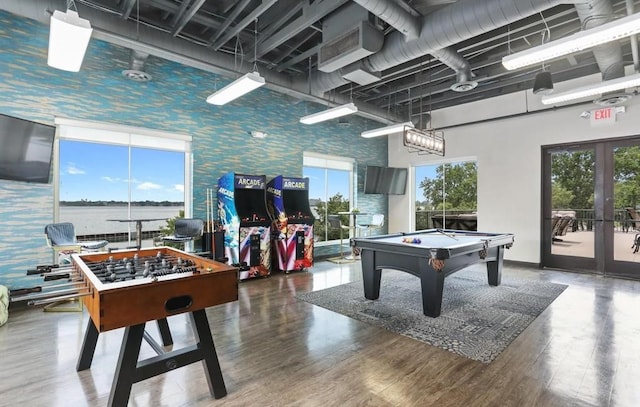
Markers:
138,234
202,333
88,346
432,284
125,374
165,333
370,275
494,267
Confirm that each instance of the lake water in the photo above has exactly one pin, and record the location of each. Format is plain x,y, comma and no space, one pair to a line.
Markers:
90,220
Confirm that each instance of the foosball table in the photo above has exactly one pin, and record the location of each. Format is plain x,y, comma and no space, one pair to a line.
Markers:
128,288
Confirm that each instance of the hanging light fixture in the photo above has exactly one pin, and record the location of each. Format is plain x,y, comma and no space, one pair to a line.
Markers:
428,141
614,30
243,85
626,82
543,84
329,114
383,131
69,37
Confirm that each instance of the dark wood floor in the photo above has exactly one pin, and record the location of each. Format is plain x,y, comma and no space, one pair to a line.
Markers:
584,350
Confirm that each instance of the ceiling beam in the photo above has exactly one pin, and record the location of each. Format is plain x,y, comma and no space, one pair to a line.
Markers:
310,14
230,19
254,14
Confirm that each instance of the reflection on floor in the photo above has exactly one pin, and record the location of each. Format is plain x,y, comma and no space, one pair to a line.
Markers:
583,350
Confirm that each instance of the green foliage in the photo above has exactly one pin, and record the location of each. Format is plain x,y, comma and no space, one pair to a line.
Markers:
169,230
460,182
574,172
627,177
561,198
336,203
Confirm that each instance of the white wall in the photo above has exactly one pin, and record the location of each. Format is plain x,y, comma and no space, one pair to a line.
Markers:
508,153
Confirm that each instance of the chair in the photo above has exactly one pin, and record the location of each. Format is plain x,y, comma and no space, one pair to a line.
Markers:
62,237
635,223
186,230
334,222
377,221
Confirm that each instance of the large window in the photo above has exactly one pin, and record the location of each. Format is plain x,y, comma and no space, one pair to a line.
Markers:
110,176
446,196
330,191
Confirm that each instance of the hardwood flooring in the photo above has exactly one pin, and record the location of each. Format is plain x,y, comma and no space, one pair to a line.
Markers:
584,350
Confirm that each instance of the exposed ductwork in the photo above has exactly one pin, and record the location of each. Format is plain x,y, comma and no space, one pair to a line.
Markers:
409,26
608,56
146,40
443,28
136,70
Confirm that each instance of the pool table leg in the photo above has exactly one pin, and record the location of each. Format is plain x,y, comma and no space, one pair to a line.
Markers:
494,267
370,275
432,284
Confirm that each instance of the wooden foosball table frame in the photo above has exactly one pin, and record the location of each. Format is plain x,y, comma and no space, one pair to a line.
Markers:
130,304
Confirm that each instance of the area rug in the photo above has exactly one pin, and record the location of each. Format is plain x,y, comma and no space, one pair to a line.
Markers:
477,321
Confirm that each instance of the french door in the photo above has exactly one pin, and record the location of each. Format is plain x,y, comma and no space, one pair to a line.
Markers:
589,191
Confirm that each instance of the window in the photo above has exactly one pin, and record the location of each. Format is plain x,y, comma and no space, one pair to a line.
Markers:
446,196
330,190
118,173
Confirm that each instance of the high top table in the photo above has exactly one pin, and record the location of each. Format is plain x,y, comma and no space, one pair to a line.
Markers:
355,252
138,227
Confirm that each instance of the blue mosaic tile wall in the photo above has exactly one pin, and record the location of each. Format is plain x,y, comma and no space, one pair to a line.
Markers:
173,101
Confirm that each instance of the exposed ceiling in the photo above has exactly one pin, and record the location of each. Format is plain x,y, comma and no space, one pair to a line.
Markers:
391,68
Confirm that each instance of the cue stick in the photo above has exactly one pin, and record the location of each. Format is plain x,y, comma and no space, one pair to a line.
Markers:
34,303
452,236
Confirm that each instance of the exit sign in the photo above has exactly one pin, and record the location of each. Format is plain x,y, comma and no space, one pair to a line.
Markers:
606,115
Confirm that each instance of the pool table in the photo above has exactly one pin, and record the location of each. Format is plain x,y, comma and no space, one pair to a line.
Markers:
430,255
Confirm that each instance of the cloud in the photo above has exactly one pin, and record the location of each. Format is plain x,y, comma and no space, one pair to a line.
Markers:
148,186
111,179
73,170
178,187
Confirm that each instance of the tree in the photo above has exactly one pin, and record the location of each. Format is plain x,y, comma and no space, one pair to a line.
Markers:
336,203
627,177
460,181
574,172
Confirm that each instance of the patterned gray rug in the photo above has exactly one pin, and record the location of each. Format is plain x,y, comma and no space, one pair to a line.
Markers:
477,321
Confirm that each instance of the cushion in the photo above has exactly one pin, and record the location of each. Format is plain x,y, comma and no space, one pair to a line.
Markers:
4,304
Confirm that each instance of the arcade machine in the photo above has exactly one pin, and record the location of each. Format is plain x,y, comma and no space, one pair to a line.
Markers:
288,205
246,223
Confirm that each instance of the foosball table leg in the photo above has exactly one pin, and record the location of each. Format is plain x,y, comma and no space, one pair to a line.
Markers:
88,347
202,333
165,333
125,374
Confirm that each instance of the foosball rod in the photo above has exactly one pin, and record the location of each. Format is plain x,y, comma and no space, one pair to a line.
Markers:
52,300
54,294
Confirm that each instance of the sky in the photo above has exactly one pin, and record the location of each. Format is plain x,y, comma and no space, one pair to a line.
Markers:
98,172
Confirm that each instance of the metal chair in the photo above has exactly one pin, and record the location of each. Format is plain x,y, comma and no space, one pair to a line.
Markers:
334,222
186,231
377,221
62,237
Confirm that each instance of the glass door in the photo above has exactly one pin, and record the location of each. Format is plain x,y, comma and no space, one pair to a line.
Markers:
570,219
591,202
625,208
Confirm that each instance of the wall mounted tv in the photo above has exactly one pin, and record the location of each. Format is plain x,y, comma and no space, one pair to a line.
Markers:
26,149
385,180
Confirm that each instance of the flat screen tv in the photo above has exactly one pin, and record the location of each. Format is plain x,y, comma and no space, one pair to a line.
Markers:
26,149
385,180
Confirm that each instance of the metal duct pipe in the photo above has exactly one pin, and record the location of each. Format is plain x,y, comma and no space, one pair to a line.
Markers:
445,27
608,56
113,29
409,26
394,15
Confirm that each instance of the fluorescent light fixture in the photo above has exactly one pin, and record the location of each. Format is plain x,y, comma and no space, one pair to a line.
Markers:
329,114
237,88
424,141
68,40
594,90
383,131
620,28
